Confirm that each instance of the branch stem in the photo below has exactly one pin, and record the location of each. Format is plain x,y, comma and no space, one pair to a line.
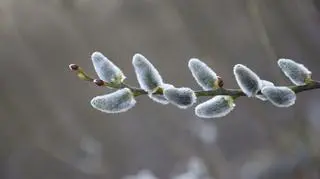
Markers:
235,93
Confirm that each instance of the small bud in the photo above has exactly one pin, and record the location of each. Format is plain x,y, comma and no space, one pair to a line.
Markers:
99,82
217,106
220,82
105,69
263,84
248,81
116,102
80,73
296,72
203,74
279,96
181,97
73,67
147,75
160,98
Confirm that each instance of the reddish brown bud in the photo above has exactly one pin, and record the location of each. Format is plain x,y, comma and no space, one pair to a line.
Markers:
73,67
98,82
220,82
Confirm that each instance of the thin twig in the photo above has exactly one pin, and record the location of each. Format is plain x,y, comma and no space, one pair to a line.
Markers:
235,93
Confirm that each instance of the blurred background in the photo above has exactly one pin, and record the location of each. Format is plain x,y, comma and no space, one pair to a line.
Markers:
49,130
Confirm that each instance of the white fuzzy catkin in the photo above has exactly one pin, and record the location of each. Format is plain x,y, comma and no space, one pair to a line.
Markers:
105,69
181,97
217,106
116,102
147,75
248,81
203,74
296,72
263,84
166,85
160,98
279,96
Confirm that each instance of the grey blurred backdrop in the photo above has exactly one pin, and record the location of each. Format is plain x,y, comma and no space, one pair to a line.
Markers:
48,129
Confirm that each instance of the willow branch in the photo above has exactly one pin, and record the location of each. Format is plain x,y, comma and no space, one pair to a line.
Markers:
235,93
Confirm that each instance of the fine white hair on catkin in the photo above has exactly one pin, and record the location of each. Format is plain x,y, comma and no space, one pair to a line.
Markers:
263,84
105,69
203,74
279,96
215,107
147,75
180,97
296,72
160,98
248,81
116,102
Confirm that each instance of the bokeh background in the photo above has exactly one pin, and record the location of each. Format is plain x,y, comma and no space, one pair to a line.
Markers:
48,130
